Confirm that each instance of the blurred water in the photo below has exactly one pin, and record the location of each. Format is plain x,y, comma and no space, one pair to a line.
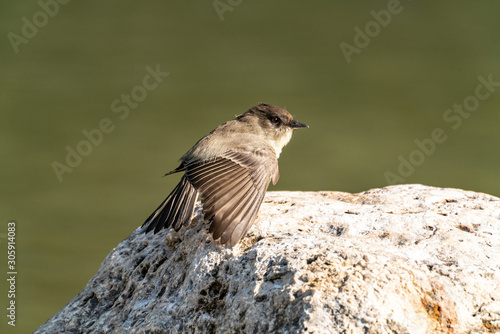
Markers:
364,115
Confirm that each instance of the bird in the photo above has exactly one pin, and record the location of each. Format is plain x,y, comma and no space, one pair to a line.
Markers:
230,170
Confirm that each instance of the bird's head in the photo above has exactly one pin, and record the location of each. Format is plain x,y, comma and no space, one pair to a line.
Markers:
274,123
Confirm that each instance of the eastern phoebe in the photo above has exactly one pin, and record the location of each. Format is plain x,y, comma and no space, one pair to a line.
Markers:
230,168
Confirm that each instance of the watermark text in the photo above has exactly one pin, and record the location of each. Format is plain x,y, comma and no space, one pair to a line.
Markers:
223,6
363,37
94,137
30,27
454,117
11,273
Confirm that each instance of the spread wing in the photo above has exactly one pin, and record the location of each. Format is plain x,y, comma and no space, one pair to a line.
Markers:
176,210
232,188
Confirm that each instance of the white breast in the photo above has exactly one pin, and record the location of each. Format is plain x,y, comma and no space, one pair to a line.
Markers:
280,142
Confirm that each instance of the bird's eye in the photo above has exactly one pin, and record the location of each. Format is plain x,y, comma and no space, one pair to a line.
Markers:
275,120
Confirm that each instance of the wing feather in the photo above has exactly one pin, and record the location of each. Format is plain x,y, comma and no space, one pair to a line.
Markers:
232,188
218,182
175,210
211,197
205,171
242,216
232,210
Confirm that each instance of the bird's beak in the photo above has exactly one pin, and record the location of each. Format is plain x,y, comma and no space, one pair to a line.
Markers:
296,125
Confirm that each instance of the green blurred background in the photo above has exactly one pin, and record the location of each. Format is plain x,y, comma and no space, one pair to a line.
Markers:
363,115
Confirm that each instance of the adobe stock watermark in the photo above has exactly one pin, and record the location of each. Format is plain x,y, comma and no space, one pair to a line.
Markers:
453,117
30,27
121,107
11,273
371,29
222,6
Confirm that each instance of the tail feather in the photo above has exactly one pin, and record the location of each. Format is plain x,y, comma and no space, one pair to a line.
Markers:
175,211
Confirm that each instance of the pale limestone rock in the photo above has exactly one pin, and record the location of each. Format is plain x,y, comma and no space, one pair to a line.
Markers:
401,259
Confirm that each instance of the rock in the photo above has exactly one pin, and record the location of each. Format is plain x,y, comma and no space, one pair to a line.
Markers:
401,259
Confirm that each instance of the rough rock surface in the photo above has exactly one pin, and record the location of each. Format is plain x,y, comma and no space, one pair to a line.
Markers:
401,259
